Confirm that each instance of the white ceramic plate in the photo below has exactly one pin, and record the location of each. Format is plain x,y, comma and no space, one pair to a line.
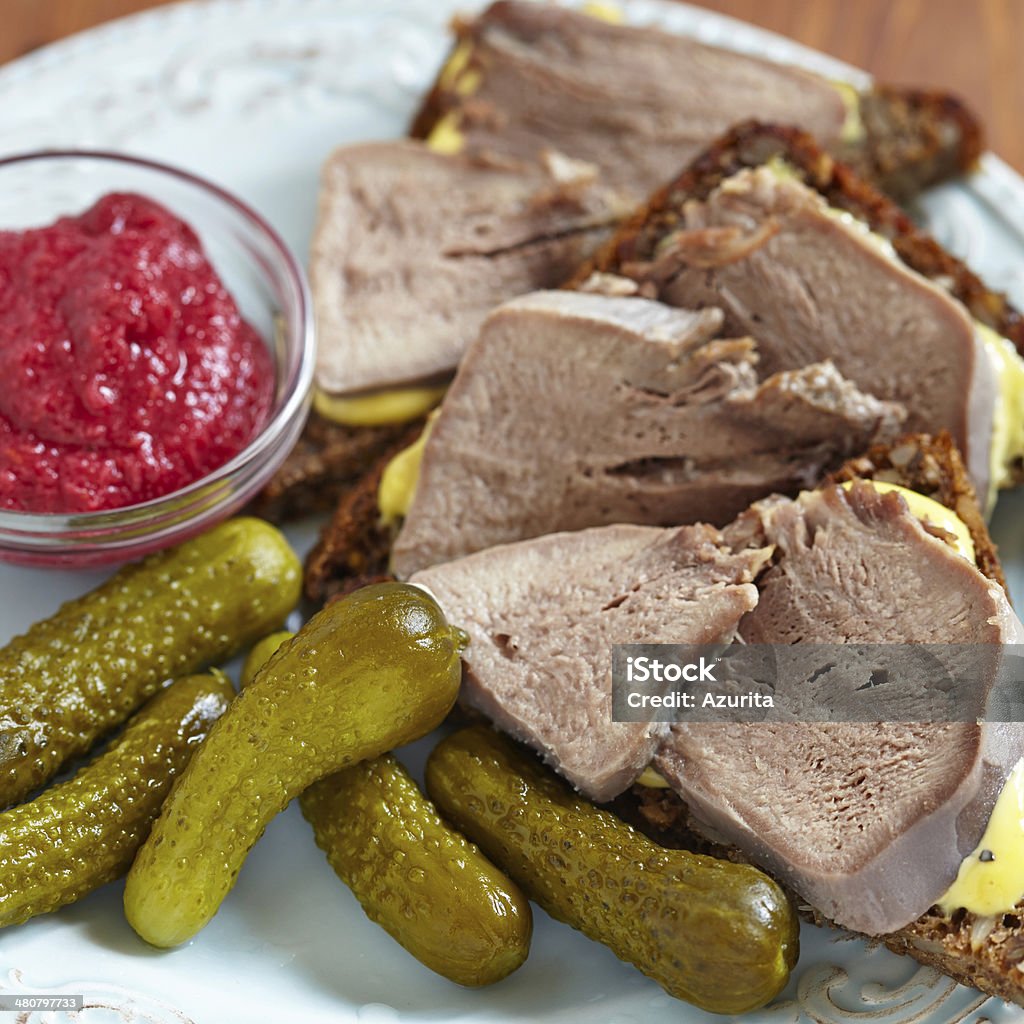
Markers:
253,94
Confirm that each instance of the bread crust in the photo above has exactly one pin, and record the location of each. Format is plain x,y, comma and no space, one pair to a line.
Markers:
752,144
329,459
355,546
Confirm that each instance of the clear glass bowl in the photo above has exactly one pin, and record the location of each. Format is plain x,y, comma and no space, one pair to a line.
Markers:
271,290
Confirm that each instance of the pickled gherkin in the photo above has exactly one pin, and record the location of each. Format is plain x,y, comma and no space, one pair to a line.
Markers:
720,935
423,883
428,887
76,675
83,833
374,670
260,655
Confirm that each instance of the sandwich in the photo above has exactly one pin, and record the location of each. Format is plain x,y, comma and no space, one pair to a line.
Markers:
639,457
895,829
787,375
575,409
533,148
412,248
639,102
799,251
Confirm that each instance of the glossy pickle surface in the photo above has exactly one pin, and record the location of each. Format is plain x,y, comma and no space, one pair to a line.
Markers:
74,676
84,832
372,671
424,883
428,887
720,935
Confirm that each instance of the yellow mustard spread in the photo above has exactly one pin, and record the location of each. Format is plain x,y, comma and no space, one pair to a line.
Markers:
1008,418
445,137
379,408
853,129
398,481
458,77
991,879
455,65
652,779
603,11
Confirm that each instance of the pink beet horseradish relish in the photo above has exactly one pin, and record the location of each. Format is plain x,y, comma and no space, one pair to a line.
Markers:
126,368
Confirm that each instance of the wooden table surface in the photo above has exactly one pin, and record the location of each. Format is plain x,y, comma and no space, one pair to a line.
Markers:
971,47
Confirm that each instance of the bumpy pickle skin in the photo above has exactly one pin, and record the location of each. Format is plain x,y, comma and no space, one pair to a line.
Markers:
80,673
83,833
372,671
720,935
260,655
430,889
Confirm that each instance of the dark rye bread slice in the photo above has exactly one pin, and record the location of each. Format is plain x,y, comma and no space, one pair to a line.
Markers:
987,954
915,138
354,547
513,57
328,461
751,145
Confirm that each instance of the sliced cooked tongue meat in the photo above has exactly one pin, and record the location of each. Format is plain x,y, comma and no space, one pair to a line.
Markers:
868,822
413,248
542,617
811,283
905,586
638,102
574,410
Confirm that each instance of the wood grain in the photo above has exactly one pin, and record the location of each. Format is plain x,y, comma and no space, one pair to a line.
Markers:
970,47
28,24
